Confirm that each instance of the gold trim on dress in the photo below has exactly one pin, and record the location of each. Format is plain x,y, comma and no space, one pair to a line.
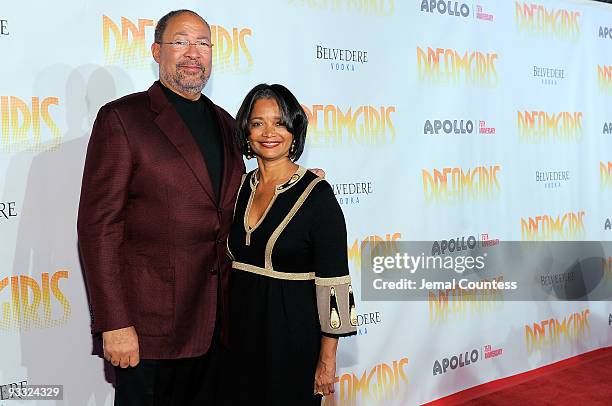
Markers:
305,276
338,280
299,174
336,308
352,311
334,314
254,181
277,232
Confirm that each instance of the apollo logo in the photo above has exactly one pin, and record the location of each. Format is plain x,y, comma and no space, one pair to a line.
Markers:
451,8
605,32
456,361
448,127
452,245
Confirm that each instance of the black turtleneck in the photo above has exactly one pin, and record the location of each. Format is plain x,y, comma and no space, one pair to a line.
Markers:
201,120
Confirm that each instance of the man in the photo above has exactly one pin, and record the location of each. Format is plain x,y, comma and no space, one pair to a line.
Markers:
158,192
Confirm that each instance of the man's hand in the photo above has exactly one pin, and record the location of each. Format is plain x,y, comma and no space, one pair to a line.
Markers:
318,171
121,347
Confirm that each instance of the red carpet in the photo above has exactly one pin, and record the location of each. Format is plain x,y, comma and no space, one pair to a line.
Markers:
582,380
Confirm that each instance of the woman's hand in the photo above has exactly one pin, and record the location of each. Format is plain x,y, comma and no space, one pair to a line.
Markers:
325,376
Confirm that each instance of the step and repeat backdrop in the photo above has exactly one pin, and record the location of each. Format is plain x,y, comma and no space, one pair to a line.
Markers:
479,120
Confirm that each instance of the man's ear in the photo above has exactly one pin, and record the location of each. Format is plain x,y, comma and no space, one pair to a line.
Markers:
155,50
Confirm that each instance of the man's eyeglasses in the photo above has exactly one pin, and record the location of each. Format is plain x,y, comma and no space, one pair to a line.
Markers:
182,45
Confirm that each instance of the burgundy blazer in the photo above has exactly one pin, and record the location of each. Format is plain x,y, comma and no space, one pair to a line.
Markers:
151,235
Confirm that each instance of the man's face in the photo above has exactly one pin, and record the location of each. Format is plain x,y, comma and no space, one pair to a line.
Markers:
185,71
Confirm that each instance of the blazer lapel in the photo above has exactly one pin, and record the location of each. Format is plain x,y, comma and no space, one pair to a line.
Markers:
171,124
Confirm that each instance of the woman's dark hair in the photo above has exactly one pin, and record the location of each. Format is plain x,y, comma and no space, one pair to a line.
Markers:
293,116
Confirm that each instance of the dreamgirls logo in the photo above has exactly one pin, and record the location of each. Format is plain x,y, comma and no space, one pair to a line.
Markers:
606,265
542,126
562,227
605,175
552,332
535,20
447,304
375,385
604,78
230,51
454,185
330,125
449,67
378,8
386,243
27,124
28,302
127,43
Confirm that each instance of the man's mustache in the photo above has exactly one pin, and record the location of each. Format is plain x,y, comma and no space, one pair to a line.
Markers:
191,65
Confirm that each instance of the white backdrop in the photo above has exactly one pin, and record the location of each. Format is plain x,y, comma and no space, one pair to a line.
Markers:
530,88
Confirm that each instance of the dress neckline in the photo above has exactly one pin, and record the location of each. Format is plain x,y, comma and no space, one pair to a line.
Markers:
254,181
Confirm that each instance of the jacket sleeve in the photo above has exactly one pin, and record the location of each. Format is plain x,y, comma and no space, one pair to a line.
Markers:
335,299
100,224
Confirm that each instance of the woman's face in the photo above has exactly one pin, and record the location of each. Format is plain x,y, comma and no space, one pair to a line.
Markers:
270,140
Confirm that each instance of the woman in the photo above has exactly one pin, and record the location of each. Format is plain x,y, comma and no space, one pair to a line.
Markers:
290,296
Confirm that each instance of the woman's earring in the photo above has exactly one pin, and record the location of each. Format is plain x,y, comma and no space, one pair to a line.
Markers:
292,149
249,153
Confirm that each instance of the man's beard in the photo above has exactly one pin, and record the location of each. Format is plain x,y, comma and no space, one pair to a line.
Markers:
185,83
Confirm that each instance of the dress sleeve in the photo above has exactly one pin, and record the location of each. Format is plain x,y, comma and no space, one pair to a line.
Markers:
335,301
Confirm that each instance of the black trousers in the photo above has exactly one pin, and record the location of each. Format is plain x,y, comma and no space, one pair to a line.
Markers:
181,382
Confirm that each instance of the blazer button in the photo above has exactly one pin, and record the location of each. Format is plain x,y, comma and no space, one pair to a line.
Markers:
213,271
219,242
220,210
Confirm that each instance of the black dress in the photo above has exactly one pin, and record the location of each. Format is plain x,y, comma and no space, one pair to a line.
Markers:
289,285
